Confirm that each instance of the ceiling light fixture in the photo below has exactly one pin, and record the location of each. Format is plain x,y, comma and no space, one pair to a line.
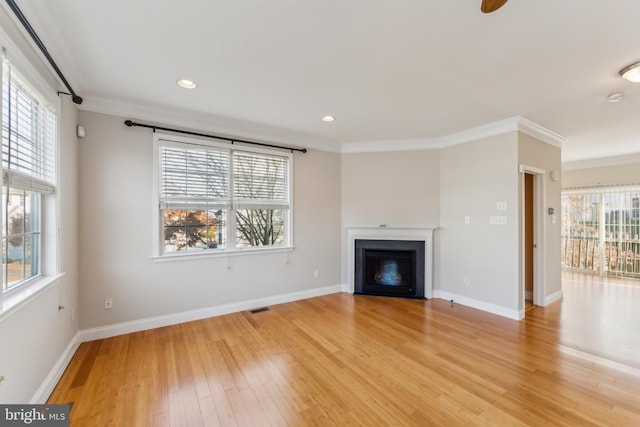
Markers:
615,97
631,72
328,118
187,84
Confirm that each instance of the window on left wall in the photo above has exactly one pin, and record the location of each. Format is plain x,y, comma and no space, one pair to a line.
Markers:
29,133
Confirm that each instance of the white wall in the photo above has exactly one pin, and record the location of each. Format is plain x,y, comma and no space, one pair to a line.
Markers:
396,189
474,177
116,235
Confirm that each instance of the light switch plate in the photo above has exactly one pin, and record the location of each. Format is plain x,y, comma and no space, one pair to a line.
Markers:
498,220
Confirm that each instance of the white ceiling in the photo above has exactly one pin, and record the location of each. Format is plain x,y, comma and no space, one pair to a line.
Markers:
388,70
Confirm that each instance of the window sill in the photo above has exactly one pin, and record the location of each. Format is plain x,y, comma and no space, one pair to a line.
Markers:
13,300
185,256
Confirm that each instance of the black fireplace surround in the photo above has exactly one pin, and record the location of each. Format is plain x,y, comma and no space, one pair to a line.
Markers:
393,268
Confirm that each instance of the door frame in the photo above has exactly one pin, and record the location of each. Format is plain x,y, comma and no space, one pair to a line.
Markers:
539,232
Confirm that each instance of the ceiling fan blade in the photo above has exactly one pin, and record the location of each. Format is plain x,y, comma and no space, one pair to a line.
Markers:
489,6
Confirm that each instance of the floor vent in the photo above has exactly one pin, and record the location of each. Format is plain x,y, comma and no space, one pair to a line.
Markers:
259,310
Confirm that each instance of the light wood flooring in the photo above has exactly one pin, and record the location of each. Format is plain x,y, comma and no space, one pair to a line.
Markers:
350,360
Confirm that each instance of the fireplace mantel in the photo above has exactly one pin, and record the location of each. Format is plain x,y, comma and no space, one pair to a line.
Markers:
392,233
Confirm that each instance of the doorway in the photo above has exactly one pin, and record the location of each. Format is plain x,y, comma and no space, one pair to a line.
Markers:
529,240
532,245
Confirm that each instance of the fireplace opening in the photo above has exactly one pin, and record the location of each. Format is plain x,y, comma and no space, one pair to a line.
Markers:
390,268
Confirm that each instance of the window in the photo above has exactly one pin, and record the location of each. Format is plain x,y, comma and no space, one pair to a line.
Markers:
28,176
218,198
601,230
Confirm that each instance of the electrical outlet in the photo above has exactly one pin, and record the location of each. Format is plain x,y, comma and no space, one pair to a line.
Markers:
467,281
316,273
108,303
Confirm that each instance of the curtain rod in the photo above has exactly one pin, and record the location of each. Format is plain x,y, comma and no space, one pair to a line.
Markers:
131,123
27,26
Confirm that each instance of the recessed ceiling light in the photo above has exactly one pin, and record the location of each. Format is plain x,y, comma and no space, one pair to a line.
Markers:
631,72
187,84
328,118
615,97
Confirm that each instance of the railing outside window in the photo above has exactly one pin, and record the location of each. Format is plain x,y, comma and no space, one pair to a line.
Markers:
601,230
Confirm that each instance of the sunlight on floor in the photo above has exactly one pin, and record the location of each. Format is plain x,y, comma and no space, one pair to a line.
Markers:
601,316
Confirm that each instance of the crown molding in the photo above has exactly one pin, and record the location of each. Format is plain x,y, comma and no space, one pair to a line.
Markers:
488,130
241,129
389,145
539,132
205,122
602,162
511,124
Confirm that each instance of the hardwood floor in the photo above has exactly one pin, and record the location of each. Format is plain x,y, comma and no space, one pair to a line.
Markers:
600,316
345,360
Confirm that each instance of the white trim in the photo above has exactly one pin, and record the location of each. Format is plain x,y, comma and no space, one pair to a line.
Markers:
539,132
556,296
108,331
481,132
387,145
479,305
48,385
215,253
511,124
539,226
384,233
627,159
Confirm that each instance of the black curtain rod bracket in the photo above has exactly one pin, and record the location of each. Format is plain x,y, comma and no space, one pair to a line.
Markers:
75,98
131,123
27,26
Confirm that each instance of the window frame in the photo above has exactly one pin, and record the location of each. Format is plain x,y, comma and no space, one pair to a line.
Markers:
158,253
13,298
614,230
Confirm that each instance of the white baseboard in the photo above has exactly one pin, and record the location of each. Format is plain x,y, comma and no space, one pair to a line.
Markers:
50,382
556,296
480,305
108,331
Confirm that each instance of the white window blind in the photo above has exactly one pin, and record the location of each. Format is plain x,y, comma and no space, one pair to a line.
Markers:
28,135
260,180
213,196
194,178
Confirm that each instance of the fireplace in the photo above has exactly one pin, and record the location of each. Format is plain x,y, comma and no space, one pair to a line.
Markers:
386,233
393,268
